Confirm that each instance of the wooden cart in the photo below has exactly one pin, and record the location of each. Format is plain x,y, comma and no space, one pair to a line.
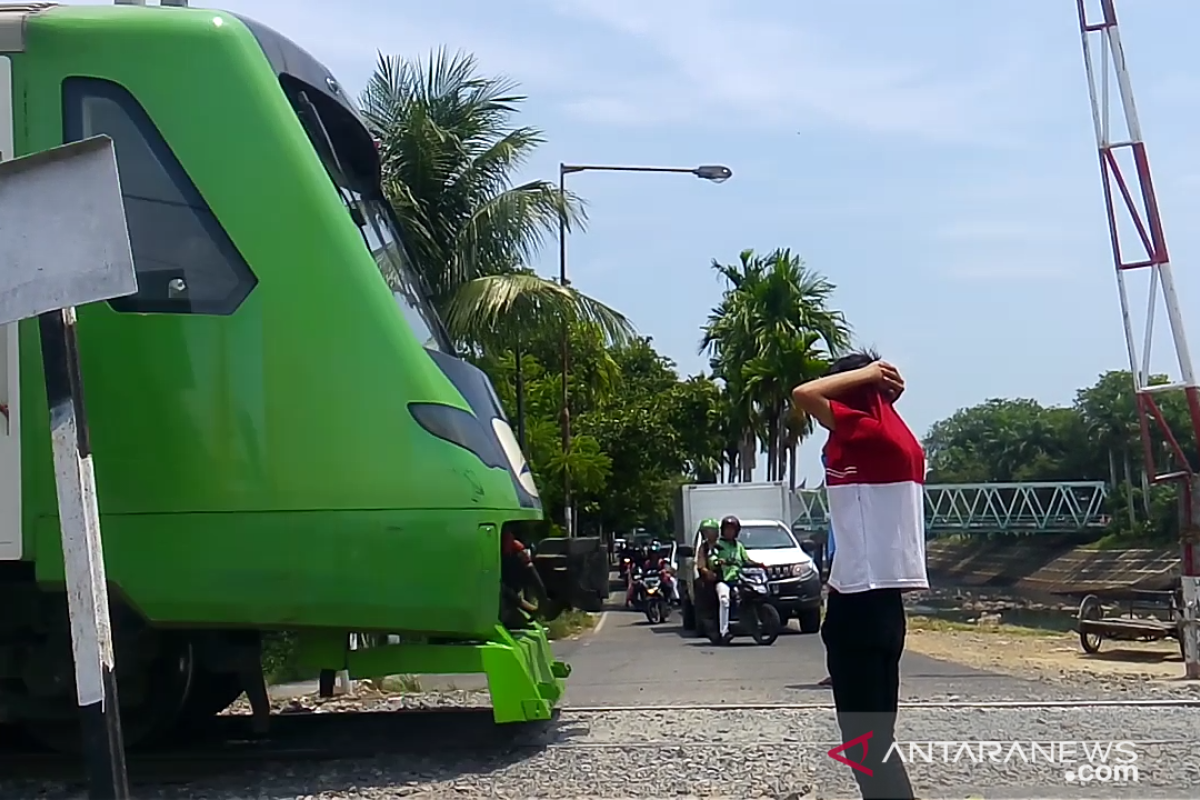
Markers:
1094,627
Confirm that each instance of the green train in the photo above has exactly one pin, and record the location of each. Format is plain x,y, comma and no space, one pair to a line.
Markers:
284,436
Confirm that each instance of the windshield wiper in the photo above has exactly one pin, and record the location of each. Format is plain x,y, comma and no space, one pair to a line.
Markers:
310,118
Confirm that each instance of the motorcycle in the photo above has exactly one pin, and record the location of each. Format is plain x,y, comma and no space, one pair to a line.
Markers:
655,596
751,613
625,566
633,587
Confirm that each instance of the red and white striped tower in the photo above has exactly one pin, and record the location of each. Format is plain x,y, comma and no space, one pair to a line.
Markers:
1138,243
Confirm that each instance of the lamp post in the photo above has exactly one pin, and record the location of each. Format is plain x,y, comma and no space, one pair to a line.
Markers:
709,172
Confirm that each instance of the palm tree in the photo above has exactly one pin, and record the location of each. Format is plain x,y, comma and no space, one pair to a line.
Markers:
771,376
772,330
448,154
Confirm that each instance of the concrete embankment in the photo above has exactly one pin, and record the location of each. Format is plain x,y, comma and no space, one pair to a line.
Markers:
1049,565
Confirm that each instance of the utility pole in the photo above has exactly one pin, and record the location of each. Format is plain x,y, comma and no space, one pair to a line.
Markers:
715,173
568,516
1131,205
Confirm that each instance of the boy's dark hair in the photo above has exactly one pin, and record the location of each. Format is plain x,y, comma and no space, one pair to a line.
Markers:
852,361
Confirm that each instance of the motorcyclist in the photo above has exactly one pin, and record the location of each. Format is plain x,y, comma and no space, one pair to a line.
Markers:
653,555
660,562
644,560
626,559
727,558
517,575
709,531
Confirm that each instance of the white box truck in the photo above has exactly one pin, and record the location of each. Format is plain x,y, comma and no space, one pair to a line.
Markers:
765,511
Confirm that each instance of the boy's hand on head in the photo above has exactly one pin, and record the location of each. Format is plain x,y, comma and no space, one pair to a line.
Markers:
889,380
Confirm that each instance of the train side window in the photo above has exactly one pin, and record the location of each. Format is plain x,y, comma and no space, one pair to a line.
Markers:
185,261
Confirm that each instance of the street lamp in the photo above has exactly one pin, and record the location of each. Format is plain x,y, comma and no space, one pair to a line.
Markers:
716,173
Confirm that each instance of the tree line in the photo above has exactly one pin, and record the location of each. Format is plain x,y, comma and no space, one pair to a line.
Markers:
1097,437
450,146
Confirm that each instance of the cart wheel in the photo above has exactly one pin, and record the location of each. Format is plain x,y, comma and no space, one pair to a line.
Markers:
1090,609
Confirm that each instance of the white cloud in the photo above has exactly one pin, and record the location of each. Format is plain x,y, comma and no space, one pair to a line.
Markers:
728,64
1004,247
1181,90
623,111
992,230
1019,266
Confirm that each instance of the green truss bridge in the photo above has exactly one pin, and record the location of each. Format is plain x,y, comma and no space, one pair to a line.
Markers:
1033,508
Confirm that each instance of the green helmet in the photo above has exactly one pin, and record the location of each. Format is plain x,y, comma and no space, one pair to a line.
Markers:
709,525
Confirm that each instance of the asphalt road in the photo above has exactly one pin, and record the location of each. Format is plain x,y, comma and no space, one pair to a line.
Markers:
627,661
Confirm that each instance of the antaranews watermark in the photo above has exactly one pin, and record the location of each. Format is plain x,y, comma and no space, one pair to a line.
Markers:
1081,761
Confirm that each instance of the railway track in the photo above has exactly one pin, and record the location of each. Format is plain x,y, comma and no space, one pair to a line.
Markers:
948,704
225,746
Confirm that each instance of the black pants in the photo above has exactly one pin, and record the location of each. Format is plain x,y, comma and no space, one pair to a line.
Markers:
864,637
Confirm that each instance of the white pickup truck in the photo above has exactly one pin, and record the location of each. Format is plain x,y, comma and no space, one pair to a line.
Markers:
764,509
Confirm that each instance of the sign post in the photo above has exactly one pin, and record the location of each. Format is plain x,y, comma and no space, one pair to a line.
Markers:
64,243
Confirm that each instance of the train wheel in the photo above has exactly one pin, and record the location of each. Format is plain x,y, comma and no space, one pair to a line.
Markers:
212,693
147,714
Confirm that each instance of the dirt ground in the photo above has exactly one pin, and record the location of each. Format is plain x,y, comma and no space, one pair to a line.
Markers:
1028,653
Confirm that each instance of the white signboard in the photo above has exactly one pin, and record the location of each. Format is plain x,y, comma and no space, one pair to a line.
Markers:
63,238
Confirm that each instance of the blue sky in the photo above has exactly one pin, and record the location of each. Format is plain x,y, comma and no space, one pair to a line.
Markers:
934,158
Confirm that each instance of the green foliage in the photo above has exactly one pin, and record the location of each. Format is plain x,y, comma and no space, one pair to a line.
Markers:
772,330
1096,438
449,151
701,424
569,623
279,659
448,155
637,430
1009,440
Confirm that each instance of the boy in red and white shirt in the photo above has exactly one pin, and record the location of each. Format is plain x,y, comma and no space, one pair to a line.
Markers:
874,477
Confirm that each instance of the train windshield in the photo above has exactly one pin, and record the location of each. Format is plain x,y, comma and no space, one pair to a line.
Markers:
339,140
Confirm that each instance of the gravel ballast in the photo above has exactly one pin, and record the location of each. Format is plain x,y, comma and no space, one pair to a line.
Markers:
732,753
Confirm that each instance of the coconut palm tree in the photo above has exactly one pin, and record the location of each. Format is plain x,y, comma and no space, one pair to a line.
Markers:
448,154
